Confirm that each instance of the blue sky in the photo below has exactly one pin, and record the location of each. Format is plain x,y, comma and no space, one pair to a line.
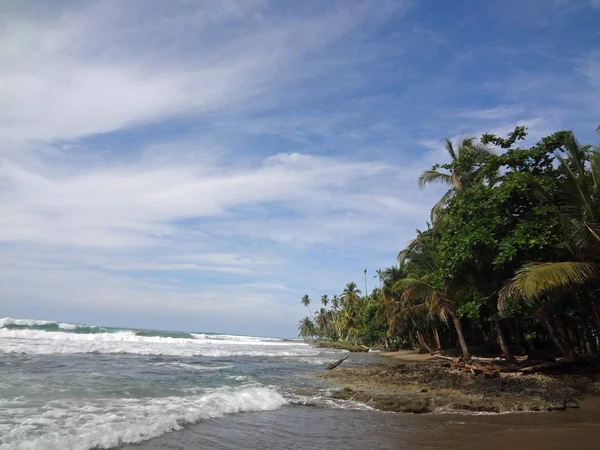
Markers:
201,165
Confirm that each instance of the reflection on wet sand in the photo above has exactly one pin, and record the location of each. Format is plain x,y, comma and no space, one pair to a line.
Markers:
564,430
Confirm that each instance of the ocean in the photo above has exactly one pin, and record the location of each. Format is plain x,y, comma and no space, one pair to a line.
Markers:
71,386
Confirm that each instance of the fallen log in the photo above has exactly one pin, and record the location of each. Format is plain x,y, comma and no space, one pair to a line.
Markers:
549,365
473,358
337,363
479,358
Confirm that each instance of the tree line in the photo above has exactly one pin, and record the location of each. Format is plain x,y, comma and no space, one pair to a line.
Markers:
508,263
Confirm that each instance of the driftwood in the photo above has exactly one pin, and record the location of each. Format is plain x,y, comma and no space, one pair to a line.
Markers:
449,358
337,363
548,365
479,358
488,371
493,367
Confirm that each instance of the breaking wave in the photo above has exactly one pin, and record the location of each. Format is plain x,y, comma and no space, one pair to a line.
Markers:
106,423
49,337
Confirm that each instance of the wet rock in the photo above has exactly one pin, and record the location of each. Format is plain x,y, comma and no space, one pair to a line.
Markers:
421,388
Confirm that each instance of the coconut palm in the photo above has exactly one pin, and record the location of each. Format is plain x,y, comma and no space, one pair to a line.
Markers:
322,320
335,303
580,213
421,290
463,171
306,327
306,302
351,294
324,300
422,293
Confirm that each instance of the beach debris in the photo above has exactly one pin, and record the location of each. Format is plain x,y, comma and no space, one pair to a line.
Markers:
337,363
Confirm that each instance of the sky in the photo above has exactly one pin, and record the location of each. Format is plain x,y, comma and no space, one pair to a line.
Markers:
200,165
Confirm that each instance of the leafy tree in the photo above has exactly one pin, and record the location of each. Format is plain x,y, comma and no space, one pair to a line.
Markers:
509,263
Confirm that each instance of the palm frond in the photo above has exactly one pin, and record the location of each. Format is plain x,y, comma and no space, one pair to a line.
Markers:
466,145
412,288
480,149
450,149
533,280
433,176
437,212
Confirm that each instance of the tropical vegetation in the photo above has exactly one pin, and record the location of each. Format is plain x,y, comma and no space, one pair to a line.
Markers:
509,263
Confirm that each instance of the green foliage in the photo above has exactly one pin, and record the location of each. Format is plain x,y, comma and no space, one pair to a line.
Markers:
513,249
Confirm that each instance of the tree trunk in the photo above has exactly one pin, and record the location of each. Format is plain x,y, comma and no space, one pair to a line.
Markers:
411,339
591,341
461,336
553,334
564,336
519,336
502,341
437,338
596,315
584,348
423,344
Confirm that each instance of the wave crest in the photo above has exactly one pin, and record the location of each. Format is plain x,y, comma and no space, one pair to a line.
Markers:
109,423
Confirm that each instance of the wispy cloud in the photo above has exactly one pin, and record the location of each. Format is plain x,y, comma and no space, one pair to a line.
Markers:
209,158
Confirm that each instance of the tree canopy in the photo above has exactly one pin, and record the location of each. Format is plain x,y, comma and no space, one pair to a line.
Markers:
510,262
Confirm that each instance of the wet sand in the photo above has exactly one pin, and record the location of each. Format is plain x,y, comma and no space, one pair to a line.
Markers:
301,427
573,429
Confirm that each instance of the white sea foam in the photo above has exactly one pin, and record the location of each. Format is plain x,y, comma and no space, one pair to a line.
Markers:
237,338
325,401
67,326
49,342
87,423
8,321
186,366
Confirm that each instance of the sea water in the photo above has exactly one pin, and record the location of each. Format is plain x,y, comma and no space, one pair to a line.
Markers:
70,386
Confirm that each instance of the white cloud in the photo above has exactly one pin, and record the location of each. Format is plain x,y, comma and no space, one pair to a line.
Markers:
108,66
137,204
199,157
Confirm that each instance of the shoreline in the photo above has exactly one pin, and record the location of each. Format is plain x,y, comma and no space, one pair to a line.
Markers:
407,381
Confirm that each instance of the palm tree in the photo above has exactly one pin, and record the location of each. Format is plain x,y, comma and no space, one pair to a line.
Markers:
324,300
306,302
379,275
462,171
306,327
349,315
322,321
419,289
580,213
437,301
335,303
351,294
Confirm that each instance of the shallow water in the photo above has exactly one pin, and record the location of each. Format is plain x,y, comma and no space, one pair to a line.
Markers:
66,386
294,427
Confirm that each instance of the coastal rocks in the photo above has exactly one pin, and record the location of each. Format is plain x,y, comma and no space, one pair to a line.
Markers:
423,388
383,402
